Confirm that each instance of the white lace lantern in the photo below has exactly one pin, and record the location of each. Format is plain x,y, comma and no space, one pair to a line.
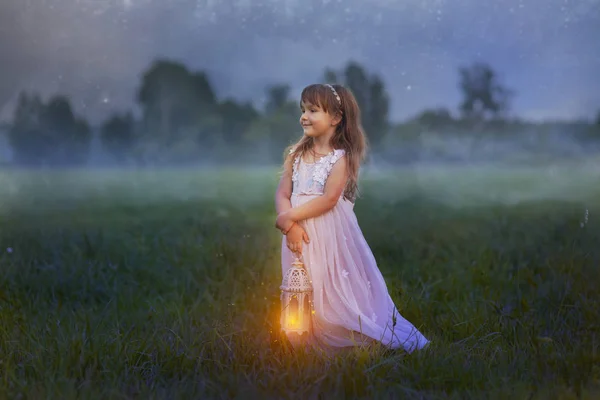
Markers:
296,300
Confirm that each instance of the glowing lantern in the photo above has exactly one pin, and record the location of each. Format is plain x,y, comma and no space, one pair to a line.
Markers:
296,301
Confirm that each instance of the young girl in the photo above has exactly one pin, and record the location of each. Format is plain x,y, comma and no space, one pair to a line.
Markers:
314,202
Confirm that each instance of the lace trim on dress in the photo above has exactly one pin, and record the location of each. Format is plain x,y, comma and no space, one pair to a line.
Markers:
322,168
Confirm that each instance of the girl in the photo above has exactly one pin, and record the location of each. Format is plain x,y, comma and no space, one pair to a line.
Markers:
314,202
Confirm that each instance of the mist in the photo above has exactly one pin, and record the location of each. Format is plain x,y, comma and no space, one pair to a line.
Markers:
145,87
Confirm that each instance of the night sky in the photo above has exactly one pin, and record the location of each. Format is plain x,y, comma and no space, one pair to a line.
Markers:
548,51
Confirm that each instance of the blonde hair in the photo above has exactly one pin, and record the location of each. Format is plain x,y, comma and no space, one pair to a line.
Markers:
349,134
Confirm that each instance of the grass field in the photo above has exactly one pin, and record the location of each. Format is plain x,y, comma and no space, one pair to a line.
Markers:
124,284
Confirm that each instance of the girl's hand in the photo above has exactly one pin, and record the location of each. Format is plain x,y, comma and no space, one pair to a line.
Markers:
295,237
283,222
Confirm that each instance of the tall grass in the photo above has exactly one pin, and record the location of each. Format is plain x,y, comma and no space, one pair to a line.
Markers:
123,284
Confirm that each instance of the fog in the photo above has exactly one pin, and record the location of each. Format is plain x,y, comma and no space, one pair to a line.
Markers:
503,88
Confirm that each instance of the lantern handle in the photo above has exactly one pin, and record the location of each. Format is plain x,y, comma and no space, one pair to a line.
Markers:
300,257
300,260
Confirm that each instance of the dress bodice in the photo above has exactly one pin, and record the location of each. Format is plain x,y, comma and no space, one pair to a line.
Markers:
310,178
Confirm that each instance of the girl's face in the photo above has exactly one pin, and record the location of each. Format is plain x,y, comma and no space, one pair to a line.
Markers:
316,122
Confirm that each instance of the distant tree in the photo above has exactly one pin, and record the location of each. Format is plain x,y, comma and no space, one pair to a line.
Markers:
29,144
78,148
72,136
378,109
176,103
48,134
117,135
330,76
236,119
371,96
483,95
355,77
277,128
278,98
594,128
434,118
4,128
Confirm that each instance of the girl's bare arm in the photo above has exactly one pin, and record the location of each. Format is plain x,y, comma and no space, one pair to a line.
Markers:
284,189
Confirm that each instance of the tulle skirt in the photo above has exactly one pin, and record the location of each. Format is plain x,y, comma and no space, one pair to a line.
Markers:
352,305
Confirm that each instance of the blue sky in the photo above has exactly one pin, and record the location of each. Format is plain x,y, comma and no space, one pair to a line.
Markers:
548,51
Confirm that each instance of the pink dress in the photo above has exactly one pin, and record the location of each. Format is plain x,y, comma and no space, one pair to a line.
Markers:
350,294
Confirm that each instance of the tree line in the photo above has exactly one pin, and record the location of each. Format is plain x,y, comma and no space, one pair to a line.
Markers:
184,122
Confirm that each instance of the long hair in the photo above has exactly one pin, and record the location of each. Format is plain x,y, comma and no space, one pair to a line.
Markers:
349,134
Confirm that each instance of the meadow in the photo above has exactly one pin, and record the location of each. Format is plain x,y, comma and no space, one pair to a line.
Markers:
164,284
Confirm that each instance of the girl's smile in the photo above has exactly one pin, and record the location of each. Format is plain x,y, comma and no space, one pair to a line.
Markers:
315,121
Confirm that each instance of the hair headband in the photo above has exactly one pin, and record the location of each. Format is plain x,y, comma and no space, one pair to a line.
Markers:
337,96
